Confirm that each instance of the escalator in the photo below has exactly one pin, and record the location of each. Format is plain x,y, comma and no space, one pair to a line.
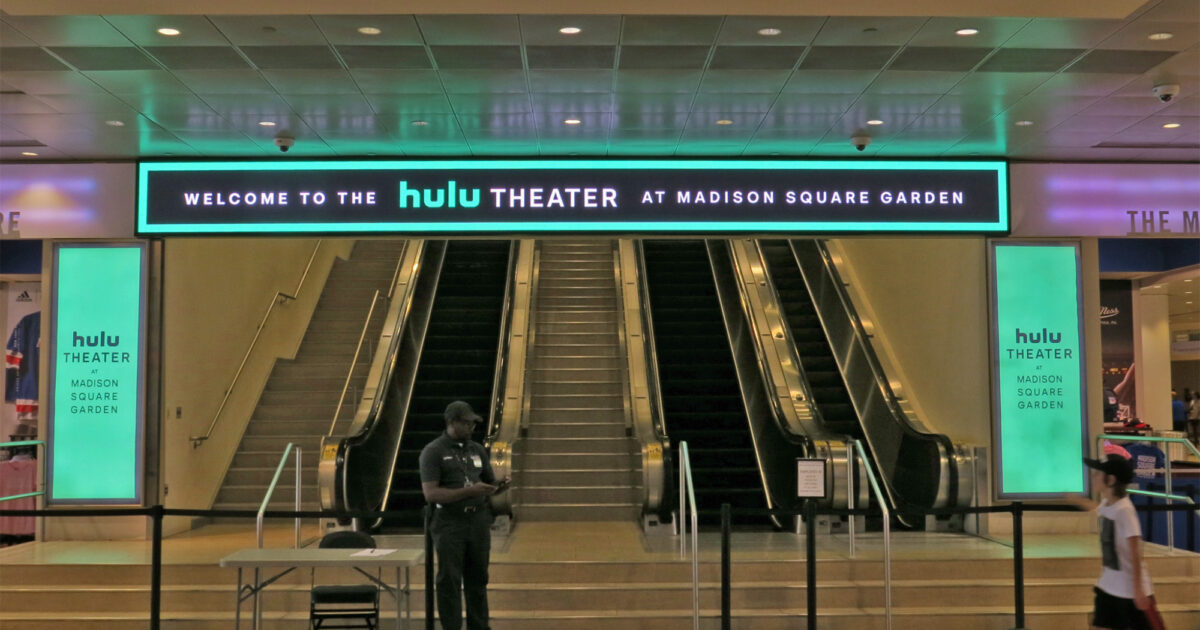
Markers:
697,378
918,468
458,359
442,347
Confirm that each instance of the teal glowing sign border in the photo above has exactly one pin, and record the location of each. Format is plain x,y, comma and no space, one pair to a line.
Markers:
1073,477
999,226
97,452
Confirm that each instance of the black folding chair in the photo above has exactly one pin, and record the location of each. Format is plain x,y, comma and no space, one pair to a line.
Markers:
345,606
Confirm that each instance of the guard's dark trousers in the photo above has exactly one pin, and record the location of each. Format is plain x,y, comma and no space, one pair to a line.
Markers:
463,543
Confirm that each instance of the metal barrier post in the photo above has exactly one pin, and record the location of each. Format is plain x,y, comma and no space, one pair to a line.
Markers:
810,560
297,546
156,516
726,572
1018,564
429,585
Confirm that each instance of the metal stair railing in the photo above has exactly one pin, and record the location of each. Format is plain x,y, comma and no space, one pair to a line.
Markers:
1169,485
258,523
685,515
279,298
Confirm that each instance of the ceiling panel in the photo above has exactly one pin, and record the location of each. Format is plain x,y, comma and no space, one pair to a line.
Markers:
378,81
571,103
387,57
940,32
755,57
543,30
51,82
734,103
744,80
663,57
744,30
942,58
1120,61
292,57
1030,59
198,57
483,81
847,57
97,103
572,81
515,103
1062,33
311,81
673,29
29,59
570,57
67,30
142,30
910,82
11,37
270,30
657,81
395,30
225,82
464,30
477,57
407,104
137,81
105,57
829,81
868,31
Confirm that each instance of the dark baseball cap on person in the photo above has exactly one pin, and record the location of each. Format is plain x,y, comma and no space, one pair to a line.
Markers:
459,410
1114,465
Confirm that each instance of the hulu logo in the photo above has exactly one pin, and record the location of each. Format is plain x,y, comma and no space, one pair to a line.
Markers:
450,196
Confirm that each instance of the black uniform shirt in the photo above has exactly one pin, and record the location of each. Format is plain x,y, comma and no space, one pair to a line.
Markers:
452,464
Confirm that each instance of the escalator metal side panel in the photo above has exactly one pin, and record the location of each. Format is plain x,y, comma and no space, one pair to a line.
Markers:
504,421
366,458
774,451
642,394
917,466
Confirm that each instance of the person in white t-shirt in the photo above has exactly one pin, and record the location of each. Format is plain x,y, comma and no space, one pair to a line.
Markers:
1124,594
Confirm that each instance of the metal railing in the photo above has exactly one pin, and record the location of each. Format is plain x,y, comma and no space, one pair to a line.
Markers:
34,443
258,522
362,337
887,534
279,298
685,501
1168,485
1169,498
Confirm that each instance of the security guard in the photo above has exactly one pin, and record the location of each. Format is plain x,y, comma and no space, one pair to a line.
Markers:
457,477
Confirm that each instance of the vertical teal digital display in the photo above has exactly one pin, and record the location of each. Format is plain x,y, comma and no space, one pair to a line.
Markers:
97,341
1038,385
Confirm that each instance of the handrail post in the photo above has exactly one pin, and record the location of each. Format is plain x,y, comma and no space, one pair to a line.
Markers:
1018,564
156,517
1170,515
429,581
810,561
851,490
726,569
887,533
680,521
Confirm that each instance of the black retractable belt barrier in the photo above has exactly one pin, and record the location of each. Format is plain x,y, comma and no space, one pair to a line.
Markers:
429,585
726,578
1018,564
810,560
156,516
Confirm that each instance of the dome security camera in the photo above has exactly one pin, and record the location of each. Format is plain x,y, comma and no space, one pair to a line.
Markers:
1166,91
284,141
860,141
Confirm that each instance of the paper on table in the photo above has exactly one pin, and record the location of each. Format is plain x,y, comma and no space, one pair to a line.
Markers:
371,553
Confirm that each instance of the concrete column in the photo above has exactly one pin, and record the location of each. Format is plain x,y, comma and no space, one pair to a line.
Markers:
1152,355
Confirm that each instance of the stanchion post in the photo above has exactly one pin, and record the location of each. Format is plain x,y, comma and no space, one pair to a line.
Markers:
429,582
156,516
810,560
726,570
1018,564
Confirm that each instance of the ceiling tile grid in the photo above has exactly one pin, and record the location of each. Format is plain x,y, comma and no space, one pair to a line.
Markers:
602,85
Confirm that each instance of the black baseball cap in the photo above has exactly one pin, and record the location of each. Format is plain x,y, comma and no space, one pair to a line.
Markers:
1114,465
459,410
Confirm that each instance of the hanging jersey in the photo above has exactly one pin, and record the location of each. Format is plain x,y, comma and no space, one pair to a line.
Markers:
21,361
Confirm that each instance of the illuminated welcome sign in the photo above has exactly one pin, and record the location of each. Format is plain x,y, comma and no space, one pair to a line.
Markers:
514,196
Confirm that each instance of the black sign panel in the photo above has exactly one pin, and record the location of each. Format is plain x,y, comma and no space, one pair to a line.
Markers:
699,196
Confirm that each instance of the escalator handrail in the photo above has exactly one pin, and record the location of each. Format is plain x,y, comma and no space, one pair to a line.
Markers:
780,413
429,262
497,405
653,385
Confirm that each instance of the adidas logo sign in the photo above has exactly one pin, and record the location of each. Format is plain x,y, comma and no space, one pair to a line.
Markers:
24,297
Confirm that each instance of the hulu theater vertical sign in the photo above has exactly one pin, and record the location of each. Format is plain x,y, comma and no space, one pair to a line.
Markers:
1038,386
97,341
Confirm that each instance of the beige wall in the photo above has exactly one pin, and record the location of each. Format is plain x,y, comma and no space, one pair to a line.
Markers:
216,292
928,300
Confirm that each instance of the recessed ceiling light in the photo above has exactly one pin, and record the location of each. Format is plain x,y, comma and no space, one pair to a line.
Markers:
1158,37
168,31
419,123
1171,126
570,30
966,32
571,121
875,123
114,123
1024,123
769,32
1188,280
724,121
266,123
29,153
369,30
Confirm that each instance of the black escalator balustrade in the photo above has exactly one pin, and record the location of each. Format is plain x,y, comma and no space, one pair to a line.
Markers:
457,360
701,399
828,389
910,461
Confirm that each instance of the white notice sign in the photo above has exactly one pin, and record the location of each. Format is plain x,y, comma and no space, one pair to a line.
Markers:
810,478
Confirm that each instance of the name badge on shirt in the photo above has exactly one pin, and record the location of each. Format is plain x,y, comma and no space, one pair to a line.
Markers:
477,461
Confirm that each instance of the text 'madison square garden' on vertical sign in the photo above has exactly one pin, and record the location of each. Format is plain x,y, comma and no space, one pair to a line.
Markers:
539,196
1038,398
96,411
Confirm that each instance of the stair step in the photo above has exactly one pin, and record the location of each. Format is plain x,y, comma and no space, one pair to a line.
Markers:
565,512
547,445
578,477
540,400
544,495
552,415
579,460
587,430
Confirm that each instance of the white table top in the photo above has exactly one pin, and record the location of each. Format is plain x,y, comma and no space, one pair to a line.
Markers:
283,557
